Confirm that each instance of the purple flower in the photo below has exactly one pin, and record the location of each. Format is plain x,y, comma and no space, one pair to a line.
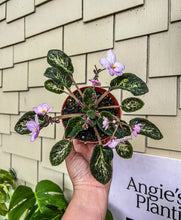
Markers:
136,129
111,64
42,109
114,142
34,127
105,123
95,82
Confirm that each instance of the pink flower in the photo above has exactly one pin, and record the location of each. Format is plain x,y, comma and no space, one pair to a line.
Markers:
136,129
105,123
111,64
95,82
42,109
34,127
114,142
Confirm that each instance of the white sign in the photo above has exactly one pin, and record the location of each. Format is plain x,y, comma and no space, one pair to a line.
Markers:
145,187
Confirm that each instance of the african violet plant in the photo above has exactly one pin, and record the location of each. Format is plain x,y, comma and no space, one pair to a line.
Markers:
91,114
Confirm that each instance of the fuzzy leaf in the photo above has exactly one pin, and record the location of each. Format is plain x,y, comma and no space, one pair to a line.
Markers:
100,166
60,60
20,126
130,82
91,114
148,129
52,87
74,126
22,199
132,104
59,78
87,96
124,150
60,151
49,193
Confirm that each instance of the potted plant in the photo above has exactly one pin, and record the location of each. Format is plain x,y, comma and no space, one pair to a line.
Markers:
91,114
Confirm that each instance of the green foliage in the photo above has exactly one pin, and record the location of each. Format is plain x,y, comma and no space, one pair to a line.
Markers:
131,104
74,126
59,78
88,96
91,114
52,87
47,202
148,129
7,184
100,164
60,60
60,151
21,127
130,82
109,215
124,150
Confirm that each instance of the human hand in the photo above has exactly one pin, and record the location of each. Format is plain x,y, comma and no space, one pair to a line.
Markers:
90,197
78,166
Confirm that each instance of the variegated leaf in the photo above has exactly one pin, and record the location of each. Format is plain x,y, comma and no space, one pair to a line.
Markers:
100,164
124,150
148,128
60,151
58,77
52,87
131,104
130,82
74,126
21,127
60,60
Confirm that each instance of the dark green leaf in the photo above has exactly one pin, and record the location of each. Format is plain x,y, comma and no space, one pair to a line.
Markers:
52,87
109,215
132,104
49,193
59,78
107,115
87,96
13,173
74,126
3,209
130,82
22,199
124,150
60,60
100,166
60,151
148,129
20,126
91,114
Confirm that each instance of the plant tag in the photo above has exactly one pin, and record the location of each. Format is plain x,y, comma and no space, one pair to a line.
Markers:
145,187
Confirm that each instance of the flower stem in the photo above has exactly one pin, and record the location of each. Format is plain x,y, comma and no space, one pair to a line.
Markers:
73,96
98,136
101,98
111,106
80,92
69,115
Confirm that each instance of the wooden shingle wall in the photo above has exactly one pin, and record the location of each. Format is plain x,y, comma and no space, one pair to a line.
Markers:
144,34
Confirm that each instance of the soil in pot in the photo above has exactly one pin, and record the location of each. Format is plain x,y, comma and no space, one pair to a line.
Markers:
72,107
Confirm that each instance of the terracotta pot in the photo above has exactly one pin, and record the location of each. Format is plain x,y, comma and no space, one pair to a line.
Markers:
101,90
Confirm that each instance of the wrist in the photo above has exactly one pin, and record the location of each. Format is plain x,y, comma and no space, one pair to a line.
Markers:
93,200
